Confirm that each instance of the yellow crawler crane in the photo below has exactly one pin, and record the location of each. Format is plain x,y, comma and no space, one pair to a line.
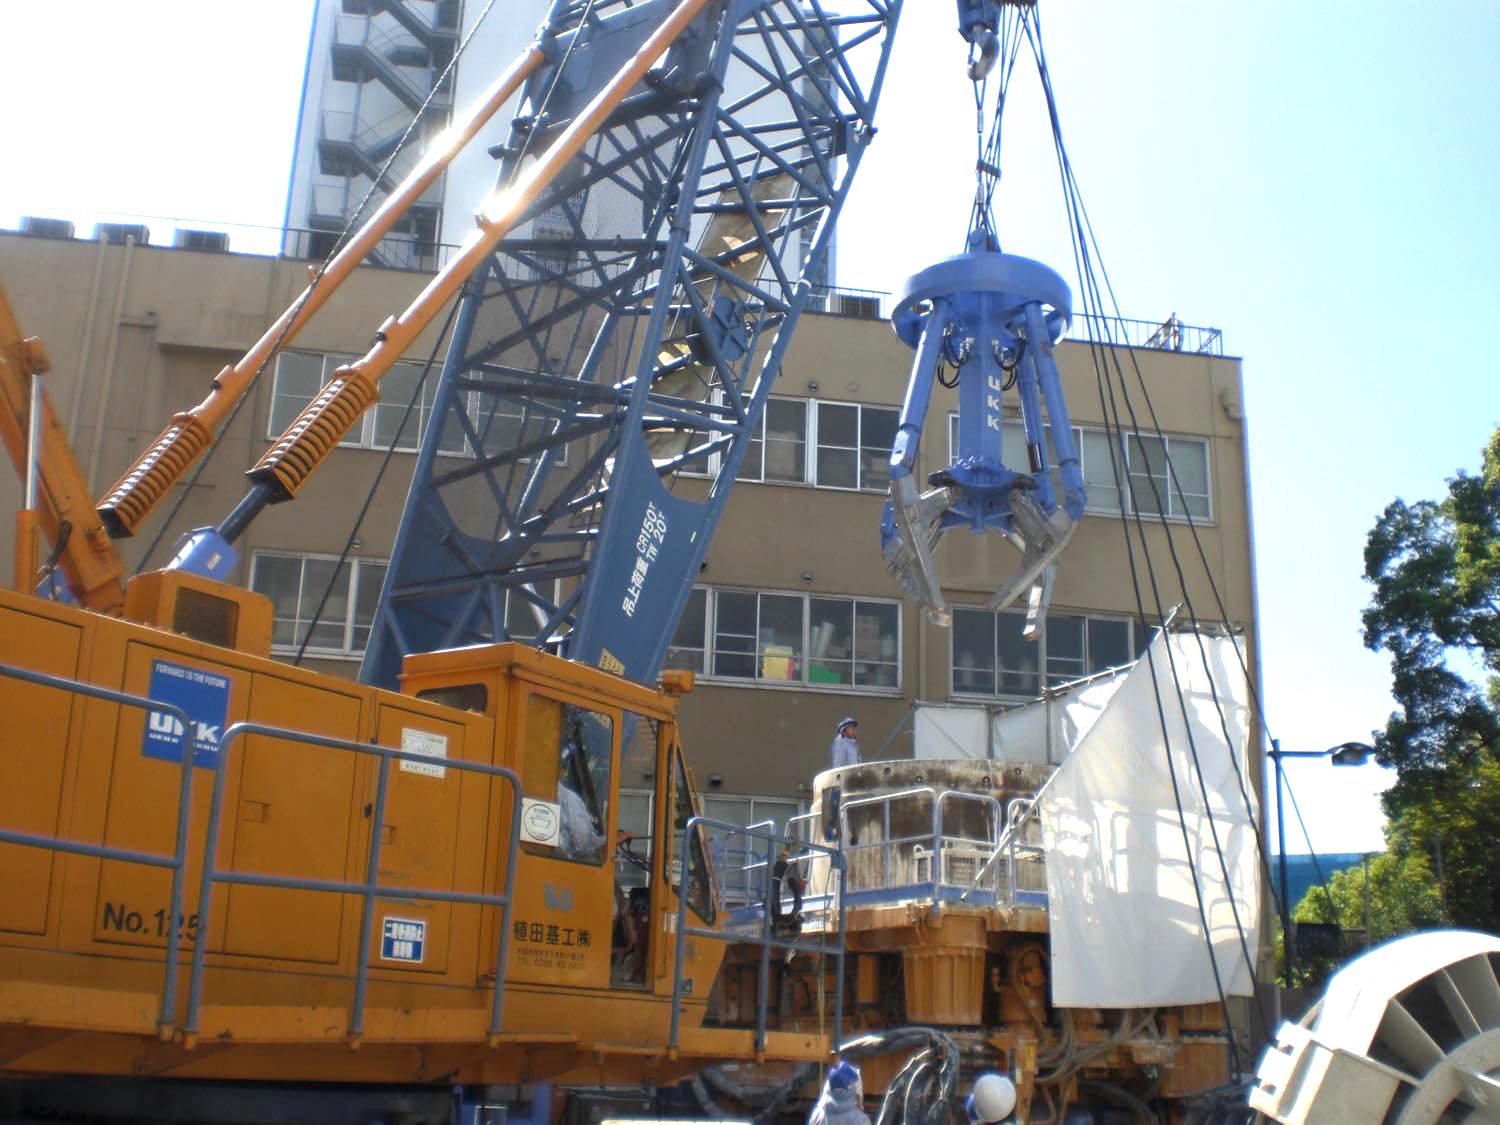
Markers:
236,890
359,867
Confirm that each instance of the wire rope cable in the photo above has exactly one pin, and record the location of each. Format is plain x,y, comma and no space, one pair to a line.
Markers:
1031,24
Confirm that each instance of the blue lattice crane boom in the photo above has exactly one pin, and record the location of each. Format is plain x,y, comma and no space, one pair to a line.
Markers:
667,193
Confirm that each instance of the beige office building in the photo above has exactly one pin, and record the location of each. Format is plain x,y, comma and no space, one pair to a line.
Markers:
795,622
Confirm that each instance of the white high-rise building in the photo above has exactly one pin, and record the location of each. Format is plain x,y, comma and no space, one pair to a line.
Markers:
372,66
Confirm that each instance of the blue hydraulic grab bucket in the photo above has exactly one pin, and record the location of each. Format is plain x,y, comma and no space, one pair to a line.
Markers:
994,318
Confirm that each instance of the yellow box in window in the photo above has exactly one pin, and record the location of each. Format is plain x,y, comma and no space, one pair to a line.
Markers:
776,662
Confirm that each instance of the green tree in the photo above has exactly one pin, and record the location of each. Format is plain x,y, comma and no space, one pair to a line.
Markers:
1435,568
1403,897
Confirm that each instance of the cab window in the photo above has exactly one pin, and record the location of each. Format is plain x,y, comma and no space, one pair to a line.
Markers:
566,780
702,889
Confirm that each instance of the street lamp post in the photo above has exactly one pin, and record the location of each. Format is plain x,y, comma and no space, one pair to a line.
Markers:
1344,754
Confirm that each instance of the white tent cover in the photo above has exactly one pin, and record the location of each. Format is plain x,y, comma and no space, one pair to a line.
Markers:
1042,733
1124,916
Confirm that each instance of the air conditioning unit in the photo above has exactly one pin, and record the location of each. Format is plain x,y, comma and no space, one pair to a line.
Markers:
38,227
214,241
116,233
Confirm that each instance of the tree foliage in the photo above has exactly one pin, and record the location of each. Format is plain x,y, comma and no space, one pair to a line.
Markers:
1404,896
1435,568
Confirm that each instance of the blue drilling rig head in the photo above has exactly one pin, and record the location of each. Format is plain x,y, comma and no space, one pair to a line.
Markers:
994,319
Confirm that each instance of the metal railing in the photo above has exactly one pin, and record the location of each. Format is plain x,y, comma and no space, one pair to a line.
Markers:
181,732
385,51
175,862
371,888
1025,858
1171,335
932,860
741,869
768,938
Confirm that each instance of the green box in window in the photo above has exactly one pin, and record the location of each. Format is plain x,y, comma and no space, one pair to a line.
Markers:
819,673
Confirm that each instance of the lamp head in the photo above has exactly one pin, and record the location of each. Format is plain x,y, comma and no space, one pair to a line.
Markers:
1352,754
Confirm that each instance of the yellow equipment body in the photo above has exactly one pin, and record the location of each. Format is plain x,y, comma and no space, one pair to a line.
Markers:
83,938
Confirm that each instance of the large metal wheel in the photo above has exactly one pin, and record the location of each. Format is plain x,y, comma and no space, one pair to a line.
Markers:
1408,1034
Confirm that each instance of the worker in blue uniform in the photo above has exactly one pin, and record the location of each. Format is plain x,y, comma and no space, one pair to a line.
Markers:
842,1100
845,748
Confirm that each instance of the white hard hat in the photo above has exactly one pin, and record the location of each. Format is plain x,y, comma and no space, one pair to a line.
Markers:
993,1098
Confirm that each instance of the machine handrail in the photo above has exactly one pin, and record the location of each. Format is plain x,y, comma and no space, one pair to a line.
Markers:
940,838
176,862
886,841
767,939
1017,812
371,888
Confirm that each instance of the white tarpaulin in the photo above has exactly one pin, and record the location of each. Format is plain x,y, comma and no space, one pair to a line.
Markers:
1042,733
1125,921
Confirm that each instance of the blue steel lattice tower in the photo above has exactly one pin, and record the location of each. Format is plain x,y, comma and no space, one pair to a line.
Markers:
631,330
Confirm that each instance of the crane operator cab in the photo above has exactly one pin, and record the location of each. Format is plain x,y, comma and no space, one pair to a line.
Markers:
597,867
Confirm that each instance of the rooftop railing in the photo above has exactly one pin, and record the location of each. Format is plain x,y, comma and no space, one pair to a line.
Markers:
408,252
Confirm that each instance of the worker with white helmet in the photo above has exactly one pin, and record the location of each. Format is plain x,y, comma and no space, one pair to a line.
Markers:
992,1099
845,750
842,1100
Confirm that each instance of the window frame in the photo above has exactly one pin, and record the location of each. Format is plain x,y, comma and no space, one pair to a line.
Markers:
707,644
1045,681
1124,488
811,410
356,563
815,443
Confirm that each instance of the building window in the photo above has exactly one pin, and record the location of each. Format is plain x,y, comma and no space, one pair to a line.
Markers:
778,638
295,585
778,448
501,424
1146,463
990,657
852,449
300,375
854,445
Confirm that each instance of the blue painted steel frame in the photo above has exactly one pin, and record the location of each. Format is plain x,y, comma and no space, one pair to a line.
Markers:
607,347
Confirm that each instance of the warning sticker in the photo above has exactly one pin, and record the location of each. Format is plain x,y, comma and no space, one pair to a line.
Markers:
427,744
541,822
402,939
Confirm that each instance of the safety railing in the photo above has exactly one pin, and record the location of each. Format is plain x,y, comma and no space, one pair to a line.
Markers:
931,861
768,938
371,888
741,870
1025,867
176,731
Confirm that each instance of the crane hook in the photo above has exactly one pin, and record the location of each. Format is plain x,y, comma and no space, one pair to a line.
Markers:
989,50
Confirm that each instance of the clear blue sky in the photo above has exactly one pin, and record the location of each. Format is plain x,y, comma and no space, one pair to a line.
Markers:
1318,180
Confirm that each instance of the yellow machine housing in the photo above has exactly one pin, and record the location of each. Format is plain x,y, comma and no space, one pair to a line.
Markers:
82,938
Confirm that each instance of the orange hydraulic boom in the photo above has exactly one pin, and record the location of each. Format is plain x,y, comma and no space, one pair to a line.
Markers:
57,498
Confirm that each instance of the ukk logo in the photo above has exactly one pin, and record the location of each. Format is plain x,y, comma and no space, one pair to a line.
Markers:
202,696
